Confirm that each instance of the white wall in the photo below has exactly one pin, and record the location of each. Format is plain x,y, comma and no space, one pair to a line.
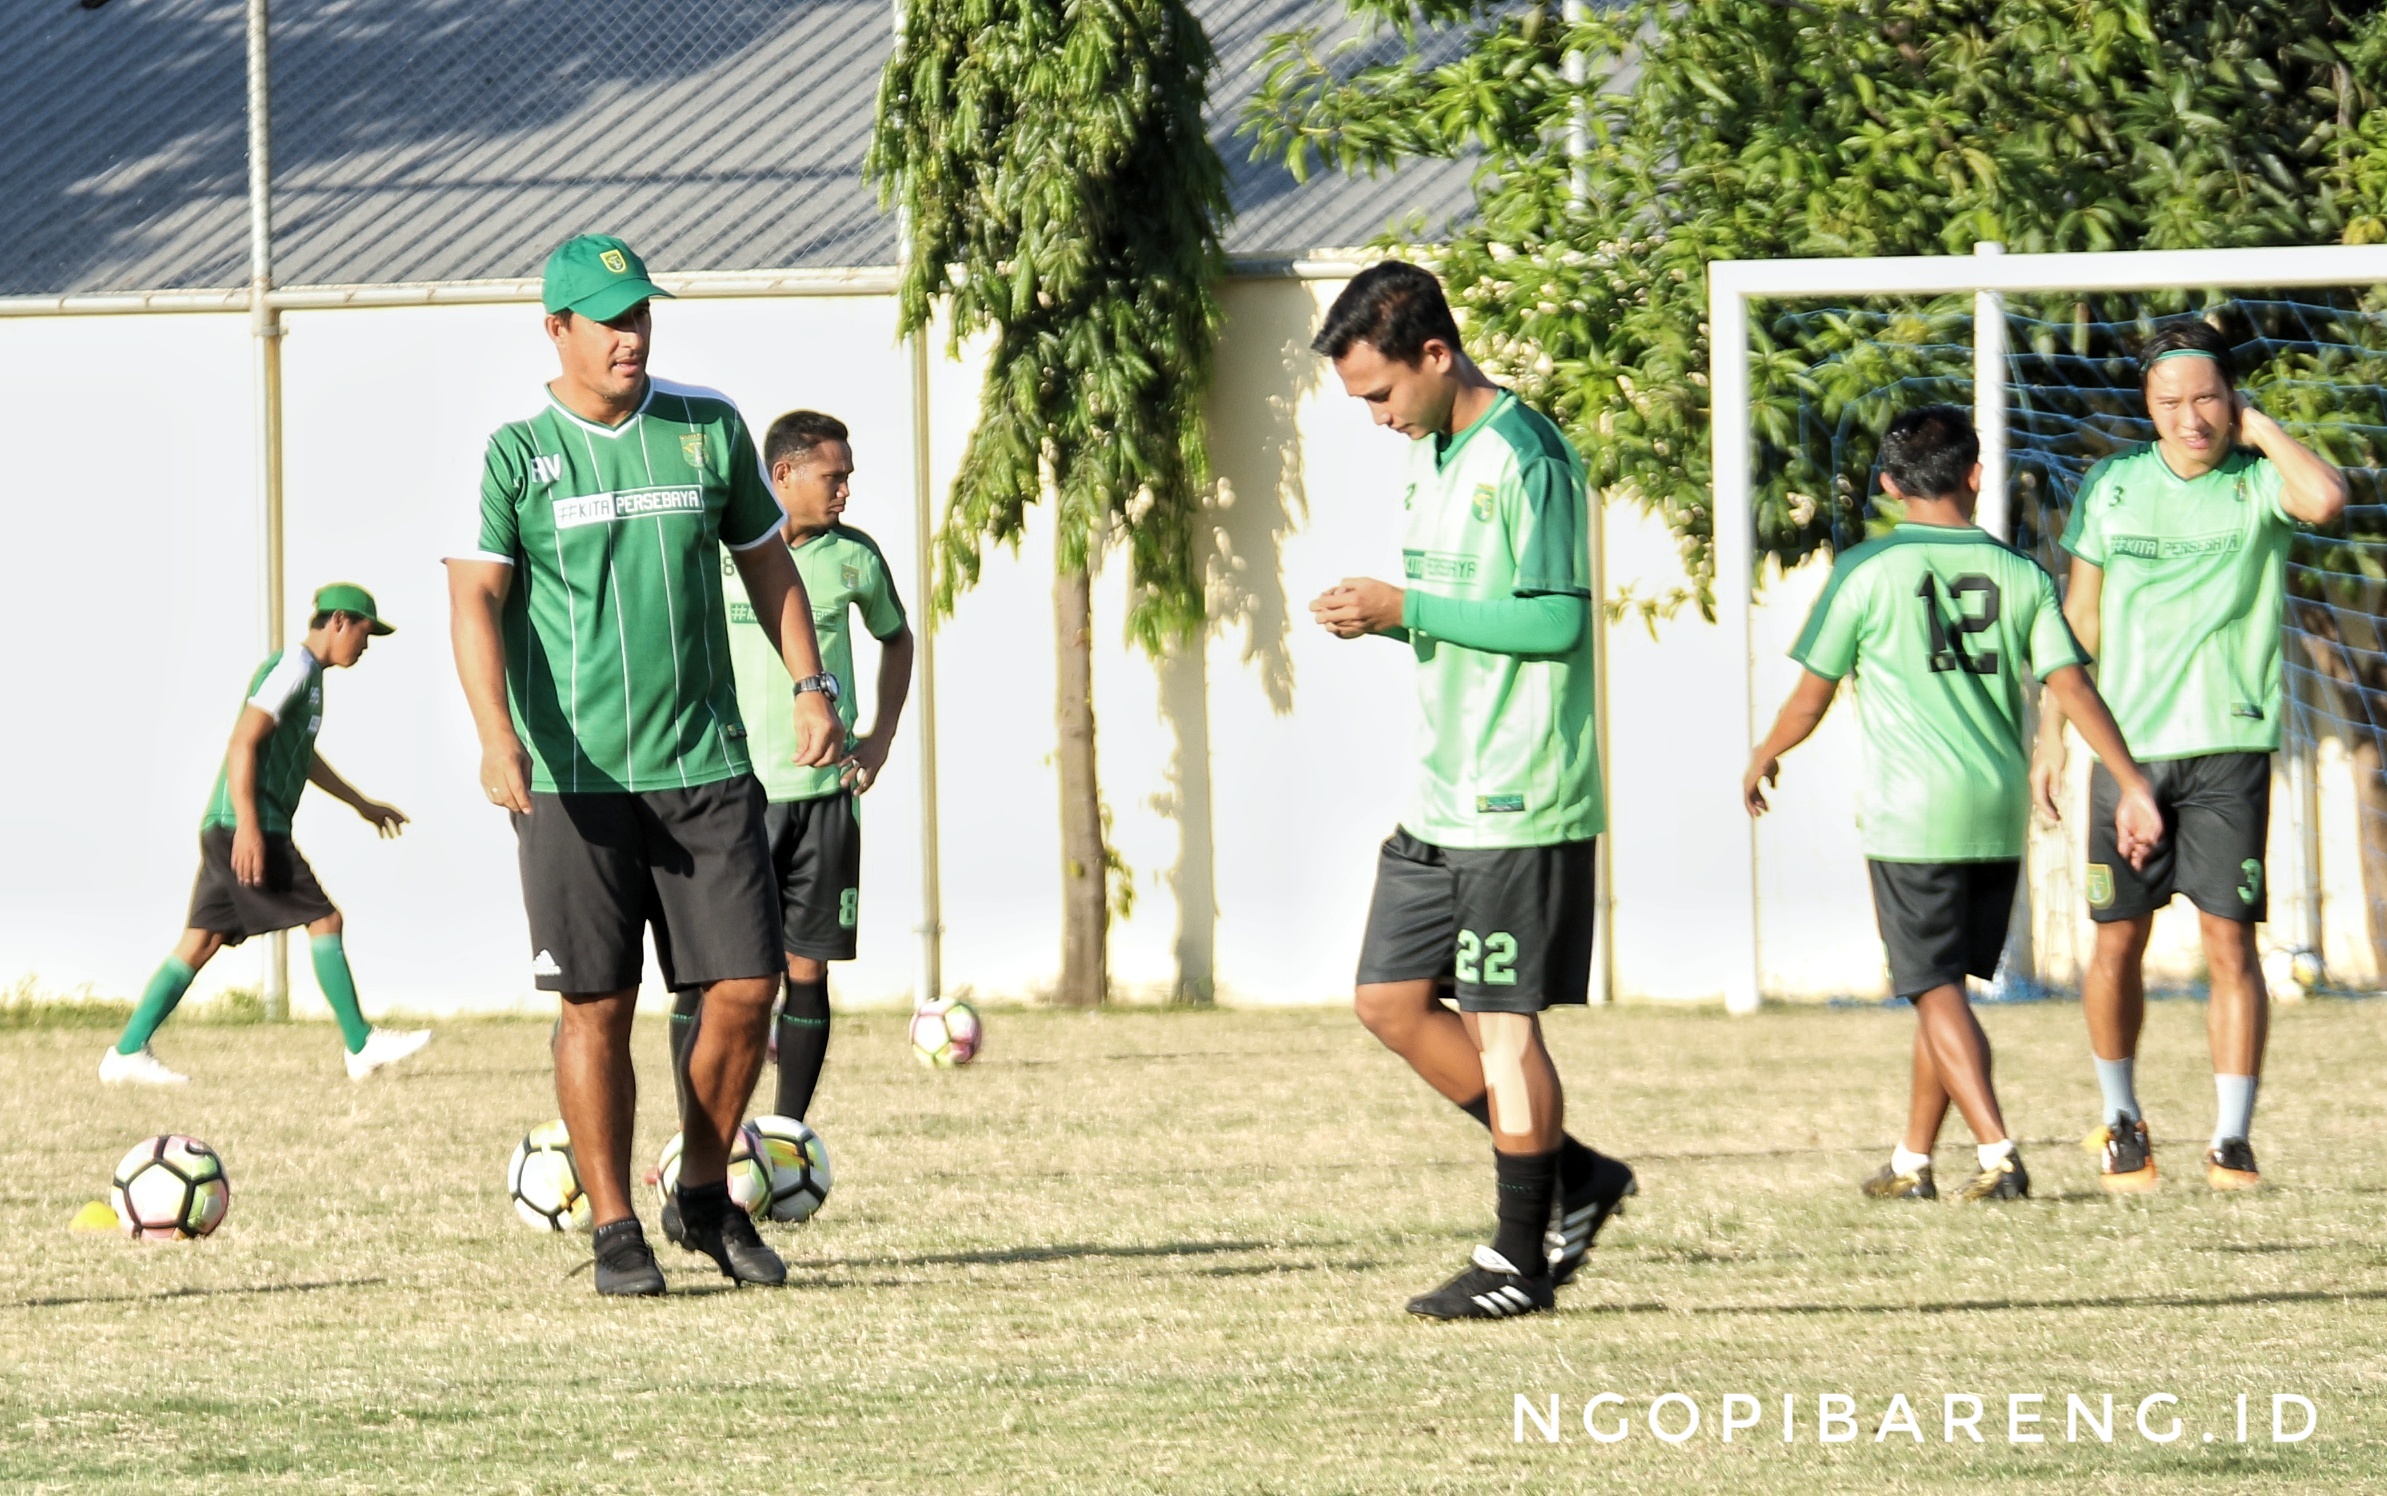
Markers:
127,672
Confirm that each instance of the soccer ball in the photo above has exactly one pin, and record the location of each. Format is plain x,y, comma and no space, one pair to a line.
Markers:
749,1175
2292,975
947,1032
545,1182
799,1163
170,1187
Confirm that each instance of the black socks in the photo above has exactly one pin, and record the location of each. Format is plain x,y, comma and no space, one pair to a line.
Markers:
687,1005
702,1207
614,1237
1527,1183
1575,1161
803,1044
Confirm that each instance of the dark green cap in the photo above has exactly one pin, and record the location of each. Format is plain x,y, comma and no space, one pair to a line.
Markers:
347,597
596,276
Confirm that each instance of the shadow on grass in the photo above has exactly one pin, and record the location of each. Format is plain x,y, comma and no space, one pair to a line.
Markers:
1008,1255
67,1300
1995,1306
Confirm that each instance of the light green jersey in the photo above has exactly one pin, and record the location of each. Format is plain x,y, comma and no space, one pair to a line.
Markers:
1509,744
1940,623
617,653
842,570
2188,619
288,687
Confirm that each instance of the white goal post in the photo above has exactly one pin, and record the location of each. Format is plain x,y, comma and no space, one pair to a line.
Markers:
1734,284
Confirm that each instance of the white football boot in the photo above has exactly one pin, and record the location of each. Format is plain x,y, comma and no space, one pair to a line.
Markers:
385,1047
140,1068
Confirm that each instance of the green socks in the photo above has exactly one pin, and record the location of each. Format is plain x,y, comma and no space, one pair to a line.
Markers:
165,990
339,989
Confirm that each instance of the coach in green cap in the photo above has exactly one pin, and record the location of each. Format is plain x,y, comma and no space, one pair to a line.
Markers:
593,644
252,878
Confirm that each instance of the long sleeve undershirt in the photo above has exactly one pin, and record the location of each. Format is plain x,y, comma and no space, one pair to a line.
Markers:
1549,624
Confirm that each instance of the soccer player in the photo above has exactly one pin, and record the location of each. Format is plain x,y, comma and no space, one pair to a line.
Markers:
593,649
1939,622
815,828
1485,887
2179,561
252,878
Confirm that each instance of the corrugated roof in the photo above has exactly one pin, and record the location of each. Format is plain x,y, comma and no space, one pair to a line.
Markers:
460,139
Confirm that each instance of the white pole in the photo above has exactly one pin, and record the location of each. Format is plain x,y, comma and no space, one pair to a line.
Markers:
1989,402
928,983
265,326
1733,545
1603,916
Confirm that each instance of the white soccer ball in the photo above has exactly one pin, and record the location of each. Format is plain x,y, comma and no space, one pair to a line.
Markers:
799,1162
544,1181
170,1188
946,1033
749,1175
2292,975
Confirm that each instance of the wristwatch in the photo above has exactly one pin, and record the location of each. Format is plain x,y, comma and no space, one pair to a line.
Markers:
825,683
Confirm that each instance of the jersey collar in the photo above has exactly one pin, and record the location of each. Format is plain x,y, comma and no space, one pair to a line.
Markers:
592,427
1444,455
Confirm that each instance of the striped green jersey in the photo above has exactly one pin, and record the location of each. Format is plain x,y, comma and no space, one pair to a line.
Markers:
2188,616
842,571
1940,624
288,687
617,651
1509,746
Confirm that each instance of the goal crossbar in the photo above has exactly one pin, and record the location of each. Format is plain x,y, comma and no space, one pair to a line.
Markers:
1987,274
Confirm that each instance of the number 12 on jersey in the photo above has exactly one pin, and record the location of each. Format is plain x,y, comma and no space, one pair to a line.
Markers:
1948,650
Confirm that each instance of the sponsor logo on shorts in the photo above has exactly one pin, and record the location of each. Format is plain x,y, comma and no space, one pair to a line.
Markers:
543,965
1497,805
2100,886
1436,566
2175,547
636,503
692,448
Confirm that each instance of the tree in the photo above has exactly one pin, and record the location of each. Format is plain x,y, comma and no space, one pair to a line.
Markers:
1737,129
1058,190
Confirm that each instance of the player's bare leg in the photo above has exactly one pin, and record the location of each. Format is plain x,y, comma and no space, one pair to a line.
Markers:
1960,1059
1413,1024
2237,1027
1512,1275
197,948
1528,1103
597,1091
724,1061
129,1060
1927,1099
2113,998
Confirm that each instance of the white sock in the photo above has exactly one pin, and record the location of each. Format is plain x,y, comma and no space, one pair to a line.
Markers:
2235,1118
2114,1080
1993,1154
1903,1162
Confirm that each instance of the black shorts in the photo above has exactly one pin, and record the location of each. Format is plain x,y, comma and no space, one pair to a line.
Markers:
1509,928
221,904
694,863
816,856
2216,827
1942,921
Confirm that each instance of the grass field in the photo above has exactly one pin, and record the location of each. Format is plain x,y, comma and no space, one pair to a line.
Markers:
1166,1251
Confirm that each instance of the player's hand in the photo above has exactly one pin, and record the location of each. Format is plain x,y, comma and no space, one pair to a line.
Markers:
1359,606
861,768
505,774
2137,824
2047,781
389,820
1762,772
248,855
820,732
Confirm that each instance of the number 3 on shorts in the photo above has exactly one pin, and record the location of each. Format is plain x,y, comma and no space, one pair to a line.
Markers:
1497,953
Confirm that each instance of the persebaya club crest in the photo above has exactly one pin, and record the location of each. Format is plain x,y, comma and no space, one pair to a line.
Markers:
613,261
692,448
1481,507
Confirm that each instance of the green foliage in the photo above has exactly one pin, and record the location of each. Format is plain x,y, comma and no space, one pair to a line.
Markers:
1059,190
1751,129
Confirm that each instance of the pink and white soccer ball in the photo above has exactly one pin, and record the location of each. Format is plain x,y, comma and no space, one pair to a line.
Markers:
946,1033
749,1169
170,1188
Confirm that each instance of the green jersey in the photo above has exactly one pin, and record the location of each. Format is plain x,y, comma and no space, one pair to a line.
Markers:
1940,623
842,569
617,652
2188,618
1509,743
288,687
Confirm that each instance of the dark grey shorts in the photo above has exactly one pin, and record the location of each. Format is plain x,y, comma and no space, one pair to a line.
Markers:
1942,921
2216,826
694,863
1509,928
223,905
816,856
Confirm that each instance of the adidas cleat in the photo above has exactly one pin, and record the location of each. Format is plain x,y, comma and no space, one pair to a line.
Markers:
2128,1166
2006,1179
2229,1165
385,1047
140,1068
735,1247
1577,1215
625,1264
1490,1288
1889,1184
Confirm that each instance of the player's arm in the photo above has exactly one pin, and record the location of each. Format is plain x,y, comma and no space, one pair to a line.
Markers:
2083,597
240,777
386,819
895,687
476,597
2310,486
1358,606
2138,821
784,610
1797,721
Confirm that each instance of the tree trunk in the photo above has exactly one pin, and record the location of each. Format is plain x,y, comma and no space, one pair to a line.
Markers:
1085,870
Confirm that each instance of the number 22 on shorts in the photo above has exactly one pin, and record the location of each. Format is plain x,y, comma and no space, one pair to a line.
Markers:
1486,960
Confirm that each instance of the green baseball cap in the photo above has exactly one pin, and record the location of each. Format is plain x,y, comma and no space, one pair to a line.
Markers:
347,597
596,276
